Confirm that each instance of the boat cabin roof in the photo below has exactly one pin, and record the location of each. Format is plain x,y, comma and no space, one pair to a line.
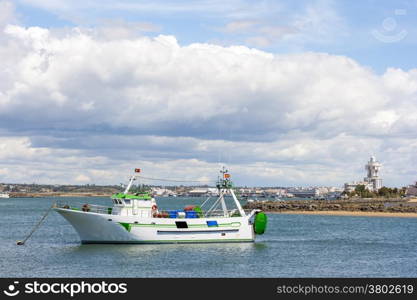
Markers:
138,196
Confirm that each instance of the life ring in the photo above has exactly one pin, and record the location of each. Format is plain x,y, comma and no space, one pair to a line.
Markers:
154,207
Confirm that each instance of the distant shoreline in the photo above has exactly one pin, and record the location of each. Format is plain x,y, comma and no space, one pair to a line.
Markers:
348,213
58,194
368,207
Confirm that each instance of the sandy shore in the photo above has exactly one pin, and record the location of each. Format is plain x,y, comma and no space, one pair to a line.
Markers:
349,213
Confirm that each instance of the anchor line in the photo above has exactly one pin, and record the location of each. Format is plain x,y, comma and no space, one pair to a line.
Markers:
35,227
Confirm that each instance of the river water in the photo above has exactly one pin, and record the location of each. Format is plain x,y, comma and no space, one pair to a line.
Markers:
293,246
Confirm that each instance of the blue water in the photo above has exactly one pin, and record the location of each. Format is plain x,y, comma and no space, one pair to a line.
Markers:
293,246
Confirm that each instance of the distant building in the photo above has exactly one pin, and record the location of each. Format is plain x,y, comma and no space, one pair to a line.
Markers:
372,181
372,168
412,190
351,186
198,192
304,192
161,192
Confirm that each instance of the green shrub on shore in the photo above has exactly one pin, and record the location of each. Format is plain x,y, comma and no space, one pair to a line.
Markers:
385,192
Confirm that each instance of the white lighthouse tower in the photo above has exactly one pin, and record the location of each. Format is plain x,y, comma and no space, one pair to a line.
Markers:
373,167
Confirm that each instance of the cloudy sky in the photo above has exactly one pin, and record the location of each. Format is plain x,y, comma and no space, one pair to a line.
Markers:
282,93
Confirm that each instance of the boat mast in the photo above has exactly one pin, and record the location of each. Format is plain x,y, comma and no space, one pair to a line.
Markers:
223,203
224,185
133,178
239,207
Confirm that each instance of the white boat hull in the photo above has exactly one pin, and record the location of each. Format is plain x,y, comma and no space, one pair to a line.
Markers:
95,228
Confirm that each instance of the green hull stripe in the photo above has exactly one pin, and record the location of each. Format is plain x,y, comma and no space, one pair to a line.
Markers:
188,241
234,224
126,226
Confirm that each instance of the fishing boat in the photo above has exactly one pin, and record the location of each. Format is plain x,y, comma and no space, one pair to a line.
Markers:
4,195
136,218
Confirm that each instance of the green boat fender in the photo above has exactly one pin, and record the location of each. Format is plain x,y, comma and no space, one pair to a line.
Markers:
199,211
259,224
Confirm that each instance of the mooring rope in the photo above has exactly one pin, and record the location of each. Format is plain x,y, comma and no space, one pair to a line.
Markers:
35,227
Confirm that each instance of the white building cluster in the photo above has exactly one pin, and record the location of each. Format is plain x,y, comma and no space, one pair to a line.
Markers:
412,190
372,181
161,192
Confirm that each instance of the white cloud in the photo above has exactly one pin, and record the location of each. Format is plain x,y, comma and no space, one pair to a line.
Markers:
119,29
237,26
316,23
15,148
7,13
319,22
79,11
258,41
404,83
85,104
81,178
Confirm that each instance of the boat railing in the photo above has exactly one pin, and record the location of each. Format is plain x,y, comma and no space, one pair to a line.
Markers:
99,209
230,213
215,213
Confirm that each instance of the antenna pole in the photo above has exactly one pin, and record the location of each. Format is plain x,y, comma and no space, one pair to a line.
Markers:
133,178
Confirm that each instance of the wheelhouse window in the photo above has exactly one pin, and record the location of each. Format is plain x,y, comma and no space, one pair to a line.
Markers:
117,201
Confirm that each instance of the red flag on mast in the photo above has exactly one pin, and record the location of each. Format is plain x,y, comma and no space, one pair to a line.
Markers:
137,170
